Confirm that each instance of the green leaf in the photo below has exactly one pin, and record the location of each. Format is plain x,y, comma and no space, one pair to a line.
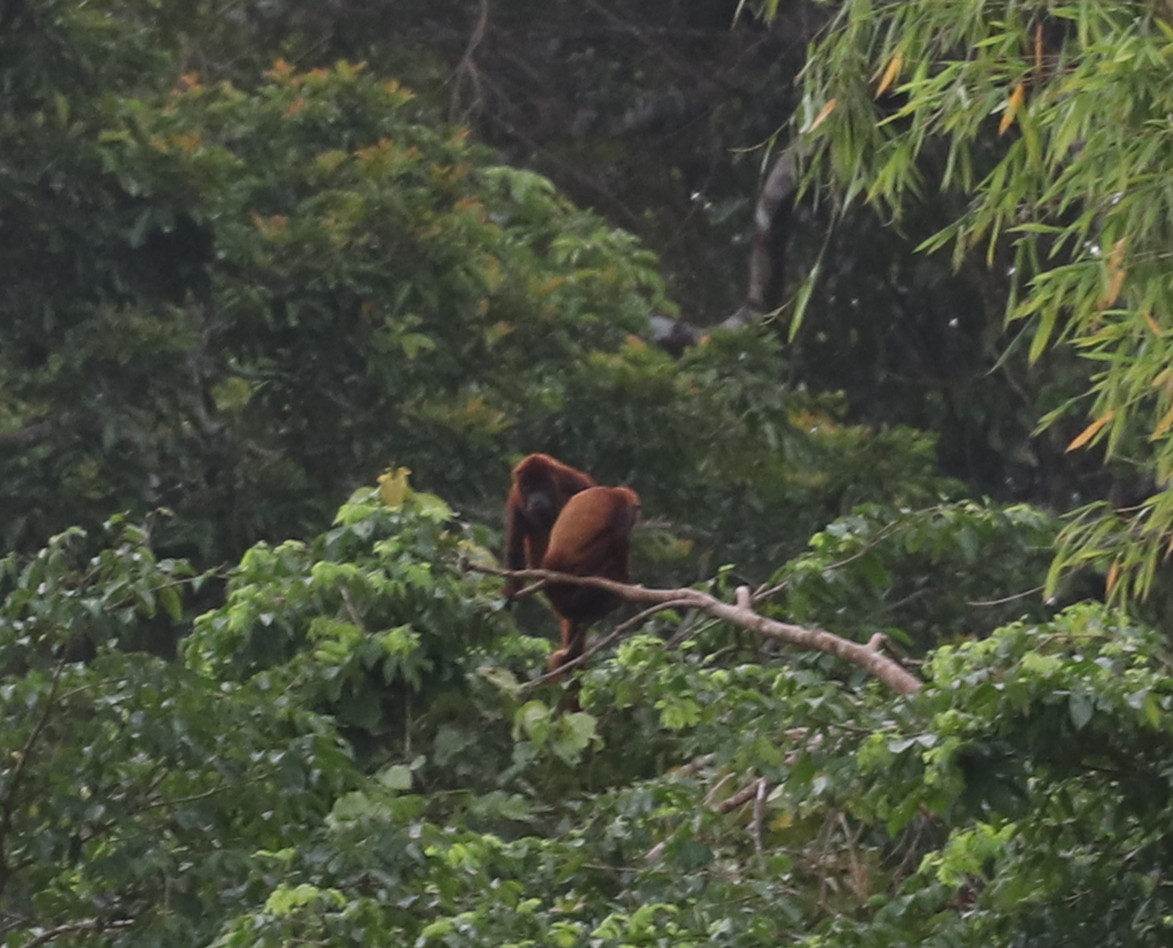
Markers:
1081,708
396,777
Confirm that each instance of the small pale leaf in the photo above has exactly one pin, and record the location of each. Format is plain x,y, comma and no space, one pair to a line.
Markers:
1080,708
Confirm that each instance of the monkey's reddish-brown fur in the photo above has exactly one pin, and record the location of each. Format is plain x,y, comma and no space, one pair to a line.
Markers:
591,537
541,487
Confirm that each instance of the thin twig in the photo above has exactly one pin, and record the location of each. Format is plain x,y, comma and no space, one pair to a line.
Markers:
768,592
73,928
696,765
711,795
530,589
1005,599
759,813
467,67
352,611
688,628
18,769
744,795
602,643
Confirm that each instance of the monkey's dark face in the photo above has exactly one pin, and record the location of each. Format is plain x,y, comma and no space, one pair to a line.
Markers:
539,505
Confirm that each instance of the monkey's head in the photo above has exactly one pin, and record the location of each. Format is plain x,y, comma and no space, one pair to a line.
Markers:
539,503
545,484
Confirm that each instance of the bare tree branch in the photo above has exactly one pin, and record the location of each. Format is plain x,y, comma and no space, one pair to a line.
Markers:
744,795
468,71
34,433
759,813
771,221
868,657
77,928
17,769
767,259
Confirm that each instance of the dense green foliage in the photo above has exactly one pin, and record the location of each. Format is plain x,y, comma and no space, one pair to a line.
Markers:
259,299
243,277
123,802
1003,110
1023,789
340,279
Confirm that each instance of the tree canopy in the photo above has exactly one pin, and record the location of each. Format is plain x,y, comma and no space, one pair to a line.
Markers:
290,287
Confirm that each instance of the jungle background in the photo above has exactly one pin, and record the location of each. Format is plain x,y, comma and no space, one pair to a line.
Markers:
286,288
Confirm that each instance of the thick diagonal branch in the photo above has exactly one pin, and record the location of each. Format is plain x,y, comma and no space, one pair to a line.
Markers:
868,657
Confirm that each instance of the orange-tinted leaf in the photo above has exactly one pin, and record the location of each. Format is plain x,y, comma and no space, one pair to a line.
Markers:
1116,274
1154,326
1112,293
823,113
1163,425
1012,107
890,75
1113,575
1090,431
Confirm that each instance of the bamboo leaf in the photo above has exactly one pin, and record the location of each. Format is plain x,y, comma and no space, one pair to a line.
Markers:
1042,334
1091,431
1012,107
1163,425
1113,575
804,297
823,113
890,75
1116,275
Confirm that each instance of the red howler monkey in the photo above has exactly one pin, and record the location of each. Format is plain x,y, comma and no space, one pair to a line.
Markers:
541,487
591,537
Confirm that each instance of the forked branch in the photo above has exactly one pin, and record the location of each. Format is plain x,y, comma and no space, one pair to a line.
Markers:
869,657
